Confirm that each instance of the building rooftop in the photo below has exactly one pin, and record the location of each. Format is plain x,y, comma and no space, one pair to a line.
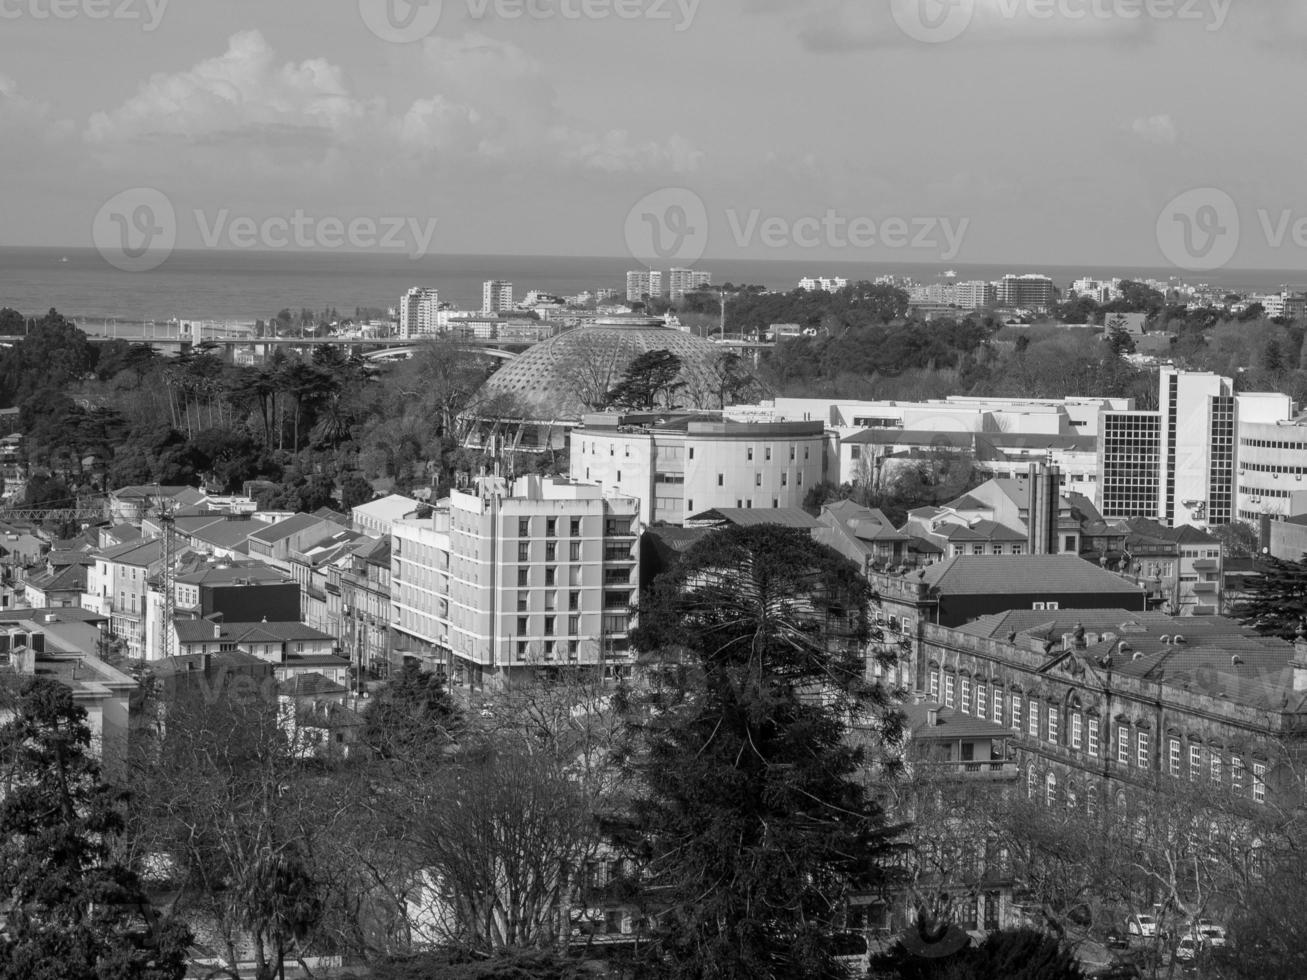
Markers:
1022,575
202,631
243,573
228,534
134,552
749,517
865,523
272,533
386,510
949,724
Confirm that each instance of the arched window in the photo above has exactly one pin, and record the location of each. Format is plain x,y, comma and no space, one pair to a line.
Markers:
1050,789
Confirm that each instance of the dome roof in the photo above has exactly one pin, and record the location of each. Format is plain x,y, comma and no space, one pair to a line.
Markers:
568,375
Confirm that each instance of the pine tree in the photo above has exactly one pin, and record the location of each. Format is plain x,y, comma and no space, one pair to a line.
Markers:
1277,604
72,910
753,822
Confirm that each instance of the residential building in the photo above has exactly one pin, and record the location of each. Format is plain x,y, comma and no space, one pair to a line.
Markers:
417,313
377,518
59,582
275,544
227,538
131,505
501,580
292,648
679,465
643,284
1181,567
361,586
682,281
117,585
1029,292
496,296
975,295
823,284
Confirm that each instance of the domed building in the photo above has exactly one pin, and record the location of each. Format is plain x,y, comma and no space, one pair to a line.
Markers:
534,400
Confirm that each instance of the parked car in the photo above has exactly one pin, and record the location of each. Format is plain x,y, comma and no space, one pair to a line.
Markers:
1141,924
1117,940
1188,949
1118,970
1210,933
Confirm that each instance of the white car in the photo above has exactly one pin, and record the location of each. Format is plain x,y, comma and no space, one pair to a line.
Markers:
1142,924
1210,933
1188,948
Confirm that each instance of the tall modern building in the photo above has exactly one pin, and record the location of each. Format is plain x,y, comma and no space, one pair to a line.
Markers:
976,295
496,296
642,284
682,281
504,579
1026,292
417,313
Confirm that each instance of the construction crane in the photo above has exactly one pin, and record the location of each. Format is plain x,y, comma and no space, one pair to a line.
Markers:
168,524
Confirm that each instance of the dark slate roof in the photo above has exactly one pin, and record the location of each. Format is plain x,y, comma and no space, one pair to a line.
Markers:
750,517
950,724
1022,575
1185,534
201,631
865,523
134,552
230,534
245,573
310,685
980,531
272,533
67,578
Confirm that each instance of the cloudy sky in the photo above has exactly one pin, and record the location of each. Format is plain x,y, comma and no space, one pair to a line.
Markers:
1054,131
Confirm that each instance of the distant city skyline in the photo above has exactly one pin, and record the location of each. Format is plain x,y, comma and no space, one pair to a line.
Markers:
491,134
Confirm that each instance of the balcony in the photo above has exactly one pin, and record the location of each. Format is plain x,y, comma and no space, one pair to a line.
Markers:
990,771
1207,565
1204,588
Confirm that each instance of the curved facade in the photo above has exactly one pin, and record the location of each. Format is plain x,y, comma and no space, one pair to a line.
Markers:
1272,468
566,376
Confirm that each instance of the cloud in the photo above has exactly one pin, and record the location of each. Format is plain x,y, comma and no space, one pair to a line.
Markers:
1156,129
478,102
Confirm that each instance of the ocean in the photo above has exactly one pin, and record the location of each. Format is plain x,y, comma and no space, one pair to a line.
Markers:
242,286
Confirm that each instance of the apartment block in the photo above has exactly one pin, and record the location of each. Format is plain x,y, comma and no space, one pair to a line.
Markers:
642,284
1028,292
496,296
682,281
679,466
417,312
117,586
504,579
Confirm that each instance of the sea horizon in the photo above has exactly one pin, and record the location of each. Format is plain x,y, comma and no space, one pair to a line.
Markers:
245,285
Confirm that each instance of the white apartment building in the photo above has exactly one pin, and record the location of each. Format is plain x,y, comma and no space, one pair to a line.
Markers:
499,580
975,295
823,284
1272,456
1029,292
496,296
117,586
682,281
642,284
418,309
680,466
1099,290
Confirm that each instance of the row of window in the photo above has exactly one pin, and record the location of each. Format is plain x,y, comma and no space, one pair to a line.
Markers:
1133,749
551,527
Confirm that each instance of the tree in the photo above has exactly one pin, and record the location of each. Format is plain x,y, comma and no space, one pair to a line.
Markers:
648,381
1276,604
355,491
457,965
1015,954
411,714
73,910
750,824
1119,340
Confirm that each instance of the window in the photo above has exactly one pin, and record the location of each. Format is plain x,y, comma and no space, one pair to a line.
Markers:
573,625
691,452
1259,782
1032,779
934,684
1016,712
1032,720
1052,725
523,601
977,549
1123,745
721,480
1236,773
574,600
948,690
1216,767
998,706
1173,756
966,695
750,454
1141,751
550,623
524,527
767,453
1091,739
1050,789
551,527
576,527
1077,729
524,551
982,707
522,575
1195,761
574,551
551,551
551,577
757,479
522,626
521,649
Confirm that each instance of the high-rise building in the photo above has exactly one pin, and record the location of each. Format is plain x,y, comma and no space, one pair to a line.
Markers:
977,295
832,284
504,579
682,281
1026,292
496,296
643,284
417,312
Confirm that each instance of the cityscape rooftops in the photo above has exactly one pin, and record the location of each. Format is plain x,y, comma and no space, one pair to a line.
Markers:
1022,574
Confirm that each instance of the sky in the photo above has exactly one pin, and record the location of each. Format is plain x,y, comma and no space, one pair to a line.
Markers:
1098,132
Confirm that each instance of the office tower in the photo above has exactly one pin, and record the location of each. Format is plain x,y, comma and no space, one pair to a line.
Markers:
417,312
496,296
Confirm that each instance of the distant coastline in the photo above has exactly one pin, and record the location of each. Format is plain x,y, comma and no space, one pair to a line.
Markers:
244,286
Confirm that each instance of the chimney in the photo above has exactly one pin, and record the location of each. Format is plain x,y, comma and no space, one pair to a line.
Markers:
1044,488
1299,662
